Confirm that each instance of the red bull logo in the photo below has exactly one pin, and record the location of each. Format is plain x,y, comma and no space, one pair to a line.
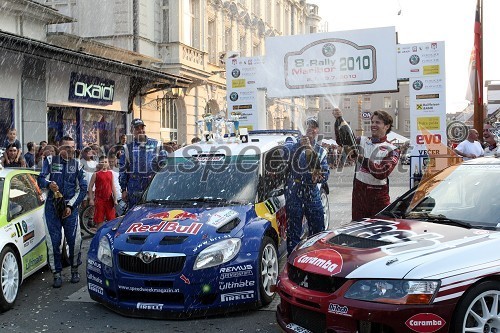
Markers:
164,226
173,215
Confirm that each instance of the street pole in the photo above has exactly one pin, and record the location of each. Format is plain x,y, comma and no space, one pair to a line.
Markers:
478,91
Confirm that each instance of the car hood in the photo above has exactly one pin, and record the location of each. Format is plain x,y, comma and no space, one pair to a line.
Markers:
376,248
186,230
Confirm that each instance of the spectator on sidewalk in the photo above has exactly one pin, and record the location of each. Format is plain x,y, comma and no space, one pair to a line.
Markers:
490,140
12,140
39,154
10,158
103,197
29,157
470,148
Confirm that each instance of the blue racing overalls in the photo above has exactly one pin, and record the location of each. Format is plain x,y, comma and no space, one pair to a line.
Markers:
302,195
68,174
138,164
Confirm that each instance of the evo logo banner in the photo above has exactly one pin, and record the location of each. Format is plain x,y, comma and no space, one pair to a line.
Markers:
91,89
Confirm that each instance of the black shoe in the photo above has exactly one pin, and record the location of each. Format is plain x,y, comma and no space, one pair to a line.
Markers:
57,280
75,276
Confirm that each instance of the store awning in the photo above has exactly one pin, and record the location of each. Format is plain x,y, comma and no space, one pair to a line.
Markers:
40,49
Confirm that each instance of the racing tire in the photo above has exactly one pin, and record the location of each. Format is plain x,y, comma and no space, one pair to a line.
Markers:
269,270
10,278
478,311
325,202
87,220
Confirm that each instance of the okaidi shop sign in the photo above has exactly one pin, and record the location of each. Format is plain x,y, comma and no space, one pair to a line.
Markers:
91,89
339,62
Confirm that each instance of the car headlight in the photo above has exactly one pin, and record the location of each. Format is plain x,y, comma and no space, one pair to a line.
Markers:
394,291
104,253
218,253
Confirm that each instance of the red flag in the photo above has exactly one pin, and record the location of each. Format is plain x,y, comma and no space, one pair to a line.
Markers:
478,54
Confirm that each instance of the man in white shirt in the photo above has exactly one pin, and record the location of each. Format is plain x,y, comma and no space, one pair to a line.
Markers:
470,148
490,140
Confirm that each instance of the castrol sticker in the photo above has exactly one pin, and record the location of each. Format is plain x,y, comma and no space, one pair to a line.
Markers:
425,323
324,262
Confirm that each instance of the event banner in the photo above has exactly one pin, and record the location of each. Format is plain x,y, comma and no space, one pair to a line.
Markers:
342,62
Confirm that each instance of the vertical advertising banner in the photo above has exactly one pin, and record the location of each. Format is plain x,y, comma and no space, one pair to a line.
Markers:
423,65
242,82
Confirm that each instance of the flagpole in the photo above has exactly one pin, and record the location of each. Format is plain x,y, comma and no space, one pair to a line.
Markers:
478,91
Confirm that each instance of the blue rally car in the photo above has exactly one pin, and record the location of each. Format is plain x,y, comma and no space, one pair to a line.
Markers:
205,238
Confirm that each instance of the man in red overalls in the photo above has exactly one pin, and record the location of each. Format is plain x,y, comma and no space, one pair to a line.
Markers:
375,161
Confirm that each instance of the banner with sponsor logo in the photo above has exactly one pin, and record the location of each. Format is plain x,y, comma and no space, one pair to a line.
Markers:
242,76
341,62
423,64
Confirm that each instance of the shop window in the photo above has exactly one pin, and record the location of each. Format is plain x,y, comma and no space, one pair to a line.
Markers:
86,126
102,128
6,117
169,117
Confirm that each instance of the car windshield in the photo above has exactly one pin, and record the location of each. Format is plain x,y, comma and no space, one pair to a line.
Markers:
209,178
464,195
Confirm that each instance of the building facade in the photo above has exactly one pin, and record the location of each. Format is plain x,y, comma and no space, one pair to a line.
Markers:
190,39
49,91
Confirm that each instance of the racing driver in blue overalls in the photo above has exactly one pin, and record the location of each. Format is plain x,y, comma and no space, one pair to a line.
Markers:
63,174
138,164
308,166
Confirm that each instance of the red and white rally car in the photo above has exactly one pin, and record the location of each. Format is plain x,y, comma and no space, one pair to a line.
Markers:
430,262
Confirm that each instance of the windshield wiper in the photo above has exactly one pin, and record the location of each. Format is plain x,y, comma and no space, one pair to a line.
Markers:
439,218
389,214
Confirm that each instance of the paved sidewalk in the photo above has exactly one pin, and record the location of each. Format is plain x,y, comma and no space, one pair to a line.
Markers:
340,182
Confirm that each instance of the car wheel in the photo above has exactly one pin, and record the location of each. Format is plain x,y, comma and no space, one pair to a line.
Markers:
478,311
9,278
268,270
326,207
87,220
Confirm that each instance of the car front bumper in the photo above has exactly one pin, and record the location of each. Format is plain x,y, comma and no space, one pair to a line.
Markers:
186,294
304,310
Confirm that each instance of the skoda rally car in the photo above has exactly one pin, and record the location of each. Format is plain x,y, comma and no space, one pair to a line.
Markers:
22,232
205,237
430,262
